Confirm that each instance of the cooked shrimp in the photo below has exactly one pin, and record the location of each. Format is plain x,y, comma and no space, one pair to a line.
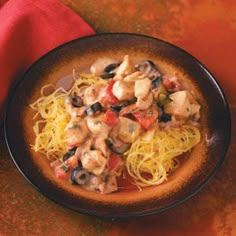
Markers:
129,130
97,127
93,161
183,105
76,132
123,90
125,68
142,88
91,94
145,103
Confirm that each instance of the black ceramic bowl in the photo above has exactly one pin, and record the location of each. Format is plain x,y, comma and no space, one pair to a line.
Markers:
191,176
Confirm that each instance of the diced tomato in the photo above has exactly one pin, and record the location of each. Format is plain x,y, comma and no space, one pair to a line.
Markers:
109,98
146,118
128,110
168,84
115,161
64,170
61,173
172,84
110,118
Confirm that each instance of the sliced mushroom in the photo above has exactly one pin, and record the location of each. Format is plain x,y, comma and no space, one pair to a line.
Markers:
148,68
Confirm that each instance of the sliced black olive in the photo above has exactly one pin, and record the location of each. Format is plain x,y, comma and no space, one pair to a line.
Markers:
79,176
72,151
66,156
116,107
109,71
107,75
111,67
156,82
119,107
117,146
164,118
69,153
148,68
93,109
75,100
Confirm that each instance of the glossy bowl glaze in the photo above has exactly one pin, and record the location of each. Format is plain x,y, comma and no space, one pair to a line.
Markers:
203,162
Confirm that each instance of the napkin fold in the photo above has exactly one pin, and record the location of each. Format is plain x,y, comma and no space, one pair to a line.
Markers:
29,29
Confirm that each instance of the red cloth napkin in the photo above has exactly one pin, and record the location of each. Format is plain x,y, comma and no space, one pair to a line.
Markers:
29,29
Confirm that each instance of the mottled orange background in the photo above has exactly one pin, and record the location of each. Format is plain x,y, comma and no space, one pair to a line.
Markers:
207,30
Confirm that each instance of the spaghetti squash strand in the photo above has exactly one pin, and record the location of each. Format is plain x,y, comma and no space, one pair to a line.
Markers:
149,162
49,128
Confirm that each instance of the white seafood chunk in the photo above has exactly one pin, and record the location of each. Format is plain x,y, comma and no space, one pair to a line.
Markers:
142,88
93,161
145,103
182,105
123,90
129,130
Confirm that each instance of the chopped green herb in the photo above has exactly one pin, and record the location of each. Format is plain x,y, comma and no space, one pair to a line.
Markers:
133,110
131,128
65,168
105,180
74,126
97,122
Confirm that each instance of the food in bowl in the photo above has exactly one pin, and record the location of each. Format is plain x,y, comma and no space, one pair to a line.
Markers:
120,120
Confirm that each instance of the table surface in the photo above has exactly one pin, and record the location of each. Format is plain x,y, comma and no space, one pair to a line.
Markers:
207,30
